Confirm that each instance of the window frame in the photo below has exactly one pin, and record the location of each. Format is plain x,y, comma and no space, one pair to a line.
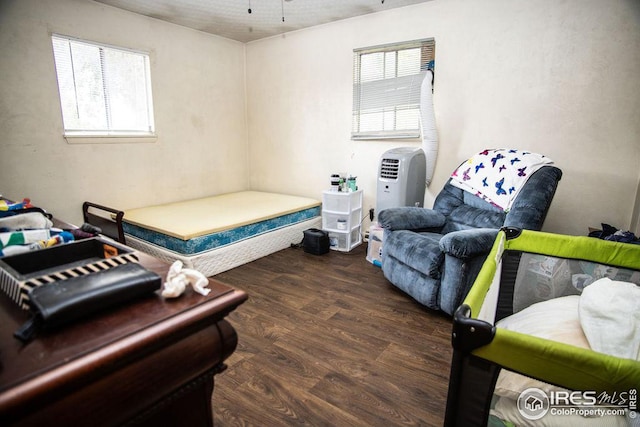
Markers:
414,81
110,133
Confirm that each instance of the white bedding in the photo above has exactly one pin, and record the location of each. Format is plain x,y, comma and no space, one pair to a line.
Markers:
605,318
610,317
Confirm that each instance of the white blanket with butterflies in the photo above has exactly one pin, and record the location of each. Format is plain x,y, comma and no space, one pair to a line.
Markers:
498,175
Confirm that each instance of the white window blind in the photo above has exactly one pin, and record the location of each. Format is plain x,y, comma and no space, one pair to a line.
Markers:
104,90
386,89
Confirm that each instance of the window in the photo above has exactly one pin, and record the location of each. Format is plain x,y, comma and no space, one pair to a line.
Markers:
104,90
386,89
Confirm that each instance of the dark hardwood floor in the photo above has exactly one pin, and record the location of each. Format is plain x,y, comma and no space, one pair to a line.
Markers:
327,341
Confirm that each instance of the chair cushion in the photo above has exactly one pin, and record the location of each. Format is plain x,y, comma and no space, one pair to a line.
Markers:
465,217
411,218
420,251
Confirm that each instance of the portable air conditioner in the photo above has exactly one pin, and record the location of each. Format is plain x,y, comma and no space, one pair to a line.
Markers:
401,178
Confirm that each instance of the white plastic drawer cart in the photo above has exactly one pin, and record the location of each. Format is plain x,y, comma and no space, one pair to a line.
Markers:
341,218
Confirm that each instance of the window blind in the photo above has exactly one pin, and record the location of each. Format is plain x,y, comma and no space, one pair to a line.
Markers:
104,90
386,89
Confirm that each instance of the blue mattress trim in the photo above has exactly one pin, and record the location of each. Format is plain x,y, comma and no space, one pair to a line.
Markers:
221,238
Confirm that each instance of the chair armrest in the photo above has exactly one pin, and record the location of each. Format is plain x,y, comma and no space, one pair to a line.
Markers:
410,218
468,243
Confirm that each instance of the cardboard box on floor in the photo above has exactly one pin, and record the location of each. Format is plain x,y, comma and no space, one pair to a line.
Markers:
374,249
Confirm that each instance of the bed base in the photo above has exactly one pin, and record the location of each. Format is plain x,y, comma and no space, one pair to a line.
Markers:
230,256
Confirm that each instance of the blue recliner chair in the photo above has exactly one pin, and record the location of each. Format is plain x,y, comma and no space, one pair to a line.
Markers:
434,255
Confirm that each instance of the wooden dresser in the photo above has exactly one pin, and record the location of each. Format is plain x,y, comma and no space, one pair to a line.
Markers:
149,363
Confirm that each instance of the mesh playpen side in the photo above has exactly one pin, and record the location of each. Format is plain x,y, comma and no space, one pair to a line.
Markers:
521,354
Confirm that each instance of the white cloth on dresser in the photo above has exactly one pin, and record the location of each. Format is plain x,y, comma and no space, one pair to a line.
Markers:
25,220
178,278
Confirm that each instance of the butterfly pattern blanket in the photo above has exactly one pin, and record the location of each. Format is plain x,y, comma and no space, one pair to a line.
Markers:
497,175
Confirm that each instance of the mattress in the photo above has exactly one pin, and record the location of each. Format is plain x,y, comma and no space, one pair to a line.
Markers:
194,226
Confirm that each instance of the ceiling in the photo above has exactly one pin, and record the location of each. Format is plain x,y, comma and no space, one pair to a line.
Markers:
231,18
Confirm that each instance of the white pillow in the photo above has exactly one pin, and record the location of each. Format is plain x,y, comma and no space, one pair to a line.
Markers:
610,317
557,320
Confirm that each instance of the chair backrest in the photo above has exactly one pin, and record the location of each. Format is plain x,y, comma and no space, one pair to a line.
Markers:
109,220
466,211
530,208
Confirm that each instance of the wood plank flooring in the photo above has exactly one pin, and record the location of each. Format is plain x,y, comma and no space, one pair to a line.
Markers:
328,341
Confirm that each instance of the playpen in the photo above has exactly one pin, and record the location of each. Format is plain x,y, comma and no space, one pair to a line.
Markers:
548,335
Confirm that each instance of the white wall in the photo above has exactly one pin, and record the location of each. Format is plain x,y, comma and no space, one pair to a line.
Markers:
558,78
199,101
